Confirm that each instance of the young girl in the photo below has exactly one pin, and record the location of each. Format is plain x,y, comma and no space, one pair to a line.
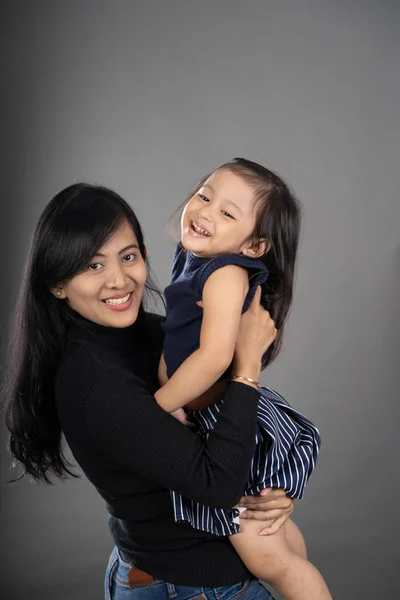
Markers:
239,230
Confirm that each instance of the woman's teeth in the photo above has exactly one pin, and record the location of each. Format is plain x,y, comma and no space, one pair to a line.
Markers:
117,301
200,230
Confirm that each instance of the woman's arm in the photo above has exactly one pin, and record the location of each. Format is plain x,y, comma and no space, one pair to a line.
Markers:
223,296
272,506
126,424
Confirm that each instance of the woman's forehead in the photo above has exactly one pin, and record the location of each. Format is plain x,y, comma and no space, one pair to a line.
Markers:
122,238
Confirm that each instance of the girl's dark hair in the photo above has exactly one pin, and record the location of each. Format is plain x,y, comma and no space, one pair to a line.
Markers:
278,222
73,227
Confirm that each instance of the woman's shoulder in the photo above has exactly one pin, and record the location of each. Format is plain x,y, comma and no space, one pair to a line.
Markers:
89,371
84,362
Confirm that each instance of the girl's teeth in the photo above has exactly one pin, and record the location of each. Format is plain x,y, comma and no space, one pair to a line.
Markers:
117,301
200,230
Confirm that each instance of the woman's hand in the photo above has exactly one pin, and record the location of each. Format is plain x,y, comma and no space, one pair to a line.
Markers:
271,505
256,333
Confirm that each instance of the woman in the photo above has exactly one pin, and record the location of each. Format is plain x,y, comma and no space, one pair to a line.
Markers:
84,357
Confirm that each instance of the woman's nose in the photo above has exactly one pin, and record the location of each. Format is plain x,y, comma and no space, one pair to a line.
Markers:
117,278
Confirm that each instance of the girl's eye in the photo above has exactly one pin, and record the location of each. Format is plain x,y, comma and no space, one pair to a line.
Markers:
129,257
226,214
204,198
93,266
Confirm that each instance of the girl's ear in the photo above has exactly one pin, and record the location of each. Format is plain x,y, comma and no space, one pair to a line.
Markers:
256,248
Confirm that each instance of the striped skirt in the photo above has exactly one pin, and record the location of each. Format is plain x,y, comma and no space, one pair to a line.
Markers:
287,446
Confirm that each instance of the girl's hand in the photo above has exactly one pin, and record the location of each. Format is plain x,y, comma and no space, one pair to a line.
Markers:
271,505
256,333
182,417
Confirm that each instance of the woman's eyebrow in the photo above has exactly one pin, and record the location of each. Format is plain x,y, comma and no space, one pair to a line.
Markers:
121,251
128,248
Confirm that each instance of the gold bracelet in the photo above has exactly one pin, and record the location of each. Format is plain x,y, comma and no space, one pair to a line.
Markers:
246,379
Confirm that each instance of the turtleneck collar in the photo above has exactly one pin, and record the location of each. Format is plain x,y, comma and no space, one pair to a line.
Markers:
83,329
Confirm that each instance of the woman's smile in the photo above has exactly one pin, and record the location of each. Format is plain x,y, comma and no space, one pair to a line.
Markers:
120,302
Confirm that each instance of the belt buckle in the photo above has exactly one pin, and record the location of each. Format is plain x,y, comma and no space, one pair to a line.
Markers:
138,578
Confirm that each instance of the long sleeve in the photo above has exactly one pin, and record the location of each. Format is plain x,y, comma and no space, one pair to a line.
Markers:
125,422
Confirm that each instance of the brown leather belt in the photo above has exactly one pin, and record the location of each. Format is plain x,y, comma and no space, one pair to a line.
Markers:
138,578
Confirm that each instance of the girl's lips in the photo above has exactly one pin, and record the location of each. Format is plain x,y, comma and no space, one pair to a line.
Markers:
198,234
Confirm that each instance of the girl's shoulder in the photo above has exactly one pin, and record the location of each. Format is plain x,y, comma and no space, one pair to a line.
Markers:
253,266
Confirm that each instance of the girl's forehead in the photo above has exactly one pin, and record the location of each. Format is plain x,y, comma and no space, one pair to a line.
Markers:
231,187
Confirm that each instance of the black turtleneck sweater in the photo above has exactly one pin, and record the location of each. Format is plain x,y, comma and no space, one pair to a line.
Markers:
134,452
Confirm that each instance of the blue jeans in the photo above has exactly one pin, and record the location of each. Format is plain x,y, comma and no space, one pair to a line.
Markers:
116,587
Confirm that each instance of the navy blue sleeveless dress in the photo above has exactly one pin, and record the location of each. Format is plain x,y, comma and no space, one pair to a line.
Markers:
286,444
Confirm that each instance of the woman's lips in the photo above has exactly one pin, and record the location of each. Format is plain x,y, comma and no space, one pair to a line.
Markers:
120,302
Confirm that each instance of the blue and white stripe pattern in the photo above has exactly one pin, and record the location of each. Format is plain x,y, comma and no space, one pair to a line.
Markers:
287,446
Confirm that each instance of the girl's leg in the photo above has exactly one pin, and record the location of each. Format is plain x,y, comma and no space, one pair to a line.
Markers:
274,559
295,539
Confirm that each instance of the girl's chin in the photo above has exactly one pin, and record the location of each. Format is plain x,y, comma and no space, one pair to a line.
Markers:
189,241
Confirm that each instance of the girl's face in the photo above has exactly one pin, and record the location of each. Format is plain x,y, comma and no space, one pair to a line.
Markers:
220,218
109,292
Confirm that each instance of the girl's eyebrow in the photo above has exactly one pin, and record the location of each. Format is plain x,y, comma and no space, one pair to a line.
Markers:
121,251
226,199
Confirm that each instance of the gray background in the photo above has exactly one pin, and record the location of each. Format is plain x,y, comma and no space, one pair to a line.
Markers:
146,97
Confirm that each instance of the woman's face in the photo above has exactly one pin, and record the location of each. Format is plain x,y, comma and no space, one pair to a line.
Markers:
109,292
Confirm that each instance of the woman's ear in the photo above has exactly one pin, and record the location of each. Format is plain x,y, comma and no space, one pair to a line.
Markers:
58,292
256,248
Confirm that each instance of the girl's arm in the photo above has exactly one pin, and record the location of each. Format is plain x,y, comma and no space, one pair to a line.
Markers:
162,371
223,296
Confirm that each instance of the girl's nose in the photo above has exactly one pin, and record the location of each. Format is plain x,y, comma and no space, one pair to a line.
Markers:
205,212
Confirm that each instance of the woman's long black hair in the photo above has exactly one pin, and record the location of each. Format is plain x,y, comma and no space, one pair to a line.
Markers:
278,222
73,227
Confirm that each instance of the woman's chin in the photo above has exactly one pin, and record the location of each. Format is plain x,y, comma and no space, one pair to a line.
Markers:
122,318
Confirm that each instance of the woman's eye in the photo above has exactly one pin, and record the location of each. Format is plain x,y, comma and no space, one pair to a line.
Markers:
227,214
204,198
129,257
93,266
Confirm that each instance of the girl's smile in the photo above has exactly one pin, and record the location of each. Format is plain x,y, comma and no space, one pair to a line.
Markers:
196,231
221,217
